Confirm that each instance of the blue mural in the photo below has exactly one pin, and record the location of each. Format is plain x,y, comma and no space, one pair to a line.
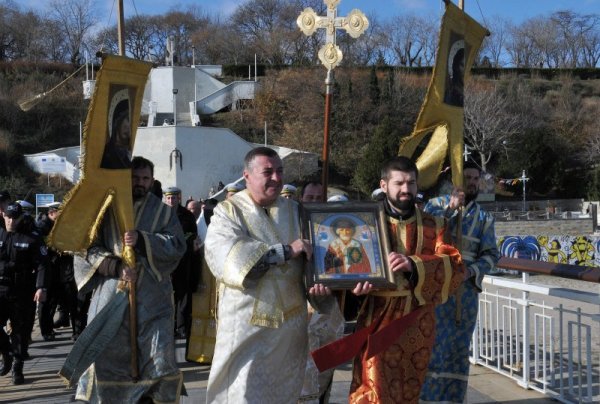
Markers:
574,250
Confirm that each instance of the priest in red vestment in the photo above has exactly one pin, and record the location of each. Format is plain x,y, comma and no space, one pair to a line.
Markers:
391,367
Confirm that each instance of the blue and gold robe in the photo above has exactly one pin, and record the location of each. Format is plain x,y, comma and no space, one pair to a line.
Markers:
448,371
106,340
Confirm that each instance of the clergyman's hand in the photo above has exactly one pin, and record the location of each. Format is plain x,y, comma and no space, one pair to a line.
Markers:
130,238
399,262
300,246
128,274
362,289
319,289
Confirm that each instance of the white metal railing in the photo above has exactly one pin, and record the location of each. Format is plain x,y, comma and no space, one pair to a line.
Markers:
546,338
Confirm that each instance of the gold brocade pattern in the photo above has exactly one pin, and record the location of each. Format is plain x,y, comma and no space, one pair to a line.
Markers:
277,296
396,374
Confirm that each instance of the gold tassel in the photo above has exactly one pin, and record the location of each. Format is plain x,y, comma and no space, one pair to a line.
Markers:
31,102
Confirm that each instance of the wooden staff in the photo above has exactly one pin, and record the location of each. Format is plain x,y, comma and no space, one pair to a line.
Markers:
128,252
129,259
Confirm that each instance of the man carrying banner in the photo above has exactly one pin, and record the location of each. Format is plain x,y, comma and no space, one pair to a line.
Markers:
159,243
455,320
400,323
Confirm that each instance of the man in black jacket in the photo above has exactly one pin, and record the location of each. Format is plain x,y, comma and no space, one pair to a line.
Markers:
62,289
22,257
185,277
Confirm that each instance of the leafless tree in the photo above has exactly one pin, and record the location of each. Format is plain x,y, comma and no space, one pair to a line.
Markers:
521,49
489,123
494,45
591,46
411,39
52,40
8,11
268,28
139,34
76,19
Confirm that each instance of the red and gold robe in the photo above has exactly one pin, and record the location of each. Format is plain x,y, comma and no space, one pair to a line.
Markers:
396,374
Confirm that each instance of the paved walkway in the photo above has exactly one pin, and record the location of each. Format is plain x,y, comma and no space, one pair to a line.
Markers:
43,386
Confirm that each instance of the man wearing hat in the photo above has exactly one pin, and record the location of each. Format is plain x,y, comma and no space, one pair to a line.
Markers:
20,252
338,198
289,191
233,189
185,277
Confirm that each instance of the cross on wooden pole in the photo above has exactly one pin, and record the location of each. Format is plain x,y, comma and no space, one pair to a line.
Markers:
524,179
330,55
466,153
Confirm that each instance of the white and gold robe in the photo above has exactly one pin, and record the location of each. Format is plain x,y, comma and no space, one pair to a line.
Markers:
261,345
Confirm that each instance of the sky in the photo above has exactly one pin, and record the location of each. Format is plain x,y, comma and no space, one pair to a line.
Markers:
512,10
515,11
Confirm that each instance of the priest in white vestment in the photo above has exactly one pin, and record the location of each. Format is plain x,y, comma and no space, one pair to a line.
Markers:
255,249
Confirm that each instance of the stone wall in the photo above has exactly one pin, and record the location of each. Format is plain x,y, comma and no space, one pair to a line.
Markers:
562,205
569,227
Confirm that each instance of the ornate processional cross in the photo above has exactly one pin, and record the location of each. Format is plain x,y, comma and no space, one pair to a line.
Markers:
330,55
355,24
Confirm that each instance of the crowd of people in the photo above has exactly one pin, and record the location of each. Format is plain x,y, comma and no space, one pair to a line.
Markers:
410,343
33,279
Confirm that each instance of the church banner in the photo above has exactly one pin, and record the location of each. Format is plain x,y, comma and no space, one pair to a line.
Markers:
108,139
440,121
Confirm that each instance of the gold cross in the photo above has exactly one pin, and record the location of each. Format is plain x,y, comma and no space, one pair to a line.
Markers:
355,24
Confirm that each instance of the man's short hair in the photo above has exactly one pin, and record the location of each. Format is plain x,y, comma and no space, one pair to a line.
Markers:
471,165
307,183
258,151
399,163
138,163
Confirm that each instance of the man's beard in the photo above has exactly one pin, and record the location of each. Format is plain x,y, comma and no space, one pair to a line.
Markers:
139,192
405,204
470,196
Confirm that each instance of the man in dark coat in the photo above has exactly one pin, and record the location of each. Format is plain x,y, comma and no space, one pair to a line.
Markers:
22,258
185,277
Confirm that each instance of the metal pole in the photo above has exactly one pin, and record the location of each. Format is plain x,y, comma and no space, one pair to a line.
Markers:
80,138
524,188
255,68
120,28
325,157
175,106
193,55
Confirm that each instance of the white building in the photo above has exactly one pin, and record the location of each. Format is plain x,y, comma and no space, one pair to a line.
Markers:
187,155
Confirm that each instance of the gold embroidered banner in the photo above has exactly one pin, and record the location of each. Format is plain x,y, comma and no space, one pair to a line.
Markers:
441,116
108,138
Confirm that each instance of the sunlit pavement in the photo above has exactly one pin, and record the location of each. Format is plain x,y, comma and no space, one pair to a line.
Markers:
42,385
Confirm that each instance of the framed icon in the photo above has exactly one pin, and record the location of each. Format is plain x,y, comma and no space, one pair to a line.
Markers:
350,244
